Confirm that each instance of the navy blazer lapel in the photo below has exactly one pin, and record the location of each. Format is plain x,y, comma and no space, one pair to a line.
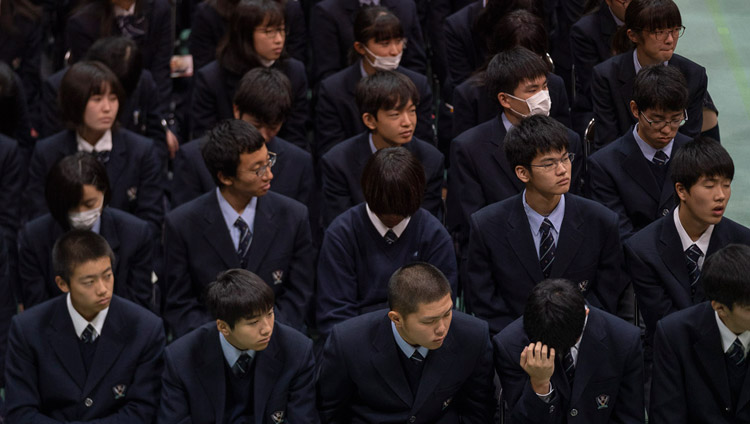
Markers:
61,335
711,358
592,346
267,369
720,237
670,250
435,366
118,157
109,345
108,231
385,361
264,231
216,233
570,237
519,236
636,165
497,140
211,372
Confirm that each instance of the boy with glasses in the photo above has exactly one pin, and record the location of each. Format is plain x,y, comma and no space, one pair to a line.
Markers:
239,225
544,232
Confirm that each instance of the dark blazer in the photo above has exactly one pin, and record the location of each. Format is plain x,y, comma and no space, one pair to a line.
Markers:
209,28
590,45
465,50
655,261
481,174
338,118
214,91
620,179
333,37
342,167
84,28
45,375
130,238
197,246
11,181
612,90
134,176
292,174
194,382
503,264
360,379
7,307
690,382
610,363
22,51
473,104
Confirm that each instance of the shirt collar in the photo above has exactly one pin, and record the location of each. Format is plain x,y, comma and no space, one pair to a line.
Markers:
647,150
406,347
231,353
362,69
576,347
80,323
727,336
382,229
617,20
685,239
373,149
535,219
266,63
637,64
103,144
484,3
119,11
230,215
369,2
506,123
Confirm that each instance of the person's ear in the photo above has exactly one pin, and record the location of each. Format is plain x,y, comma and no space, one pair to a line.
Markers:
633,36
523,174
370,121
395,318
721,309
62,284
634,109
223,179
504,100
359,48
236,111
223,327
681,191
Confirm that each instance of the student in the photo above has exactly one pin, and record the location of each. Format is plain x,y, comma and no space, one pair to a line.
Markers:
242,367
89,101
77,194
365,244
147,22
379,43
418,361
387,103
480,172
88,356
240,224
256,38
544,232
564,358
654,27
211,22
333,37
264,99
21,35
665,258
700,353
632,175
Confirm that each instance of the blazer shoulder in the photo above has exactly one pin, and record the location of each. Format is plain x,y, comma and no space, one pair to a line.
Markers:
590,209
418,79
469,328
648,235
739,233
611,65
343,150
615,325
126,221
287,205
426,151
688,321
686,65
291,340
358,330
611,150
498,211
193,345
133,139
294,152
136,315
194,207
478,134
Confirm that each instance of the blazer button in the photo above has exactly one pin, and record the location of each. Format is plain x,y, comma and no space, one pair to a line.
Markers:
88,402
573,412
728,409
551,409
665,212
412,419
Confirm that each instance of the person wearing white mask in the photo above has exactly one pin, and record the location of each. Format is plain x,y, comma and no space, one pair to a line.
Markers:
379,45
77,194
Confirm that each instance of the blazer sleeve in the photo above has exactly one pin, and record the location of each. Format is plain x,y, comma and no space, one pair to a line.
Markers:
33,196
32,278
49,111
603,189
443,256
203,106
605,112
174,405
294,128
336,195
465,114
610,282
186,184
433,196
7,307
301,406
425,115
325,42
585,57
414,56
630,404
329,128
335,386
141,265
668,401
336,299
11,180
296,42
653,300
465,195
150,190
459,68
477,401
692,127
202,44
162,42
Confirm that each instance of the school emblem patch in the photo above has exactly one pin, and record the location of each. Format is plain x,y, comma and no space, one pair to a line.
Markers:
119,391
447,403
583,285
132,193
277,276
602,401
278,417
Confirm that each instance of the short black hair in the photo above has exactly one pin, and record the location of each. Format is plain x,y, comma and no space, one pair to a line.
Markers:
122,56
77,247
511,67
385,90
81,81
266,94
65,181
555,314
660,87
535,135
226,142
488,19
374,23
236,51
238,294
519,28
415,284
702,157
724,276
393,182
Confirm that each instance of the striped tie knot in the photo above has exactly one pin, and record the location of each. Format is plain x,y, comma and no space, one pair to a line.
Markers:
736,352
660,158
546,247
246,237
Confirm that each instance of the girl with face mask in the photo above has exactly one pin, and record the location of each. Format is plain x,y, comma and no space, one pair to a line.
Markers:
379,44
77,194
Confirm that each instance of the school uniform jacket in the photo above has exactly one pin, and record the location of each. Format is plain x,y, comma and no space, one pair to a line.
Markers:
194,380
11,180
197,246
360,378
465,50
503,264
46,381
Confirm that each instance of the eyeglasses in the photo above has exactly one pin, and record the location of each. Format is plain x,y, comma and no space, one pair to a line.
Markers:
659,124
661,34
551,164
260,172
272,32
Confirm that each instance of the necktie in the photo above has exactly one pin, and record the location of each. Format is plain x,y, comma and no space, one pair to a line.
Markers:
546,247
242,366
246,236
660,158
130,26
369,2
390,237
692,255
417,358
569,366
736,352
102,156
88,334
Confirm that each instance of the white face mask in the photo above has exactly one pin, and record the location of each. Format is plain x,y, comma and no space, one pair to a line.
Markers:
84,220
385,63
539,104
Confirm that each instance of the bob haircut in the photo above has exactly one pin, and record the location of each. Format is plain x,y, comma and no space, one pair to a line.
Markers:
236,52
82,81
65,181
393,182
